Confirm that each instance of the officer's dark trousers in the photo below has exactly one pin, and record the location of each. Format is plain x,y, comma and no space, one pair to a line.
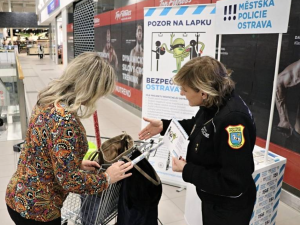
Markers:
214,214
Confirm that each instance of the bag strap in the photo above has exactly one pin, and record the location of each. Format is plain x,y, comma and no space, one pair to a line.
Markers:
96,153
93,155
156,183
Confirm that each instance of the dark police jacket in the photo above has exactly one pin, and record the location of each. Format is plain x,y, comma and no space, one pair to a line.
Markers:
219,157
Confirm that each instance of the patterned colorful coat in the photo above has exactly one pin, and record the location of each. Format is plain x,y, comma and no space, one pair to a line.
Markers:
49,165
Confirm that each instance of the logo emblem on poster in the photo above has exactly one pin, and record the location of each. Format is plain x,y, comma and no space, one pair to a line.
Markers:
123,13
52,5
228,14
96,21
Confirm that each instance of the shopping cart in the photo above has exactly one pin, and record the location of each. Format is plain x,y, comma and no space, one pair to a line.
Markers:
102,208
98,209
17,151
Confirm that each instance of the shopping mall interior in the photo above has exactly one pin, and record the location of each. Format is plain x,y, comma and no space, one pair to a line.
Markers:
140,39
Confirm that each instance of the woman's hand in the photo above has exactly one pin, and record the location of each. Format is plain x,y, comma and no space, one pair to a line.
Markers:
178,164
117,171
89,165
153,128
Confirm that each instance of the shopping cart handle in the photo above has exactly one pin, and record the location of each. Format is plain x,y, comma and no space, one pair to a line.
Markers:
17,147
105,166
146,153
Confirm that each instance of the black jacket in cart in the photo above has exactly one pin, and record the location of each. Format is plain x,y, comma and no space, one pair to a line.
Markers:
139,195
219,157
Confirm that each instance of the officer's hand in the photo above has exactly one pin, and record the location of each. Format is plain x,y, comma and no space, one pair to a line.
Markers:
153,128
178,165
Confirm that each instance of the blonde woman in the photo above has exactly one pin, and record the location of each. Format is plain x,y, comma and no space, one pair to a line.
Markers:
51,163
222,135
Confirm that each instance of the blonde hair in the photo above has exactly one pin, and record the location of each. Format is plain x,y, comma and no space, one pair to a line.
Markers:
208,75
85,80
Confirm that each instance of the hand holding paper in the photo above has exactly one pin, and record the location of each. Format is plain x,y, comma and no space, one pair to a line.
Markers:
176,140
178,164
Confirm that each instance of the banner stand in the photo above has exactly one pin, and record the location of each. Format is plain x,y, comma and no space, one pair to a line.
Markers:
172,37
242,21
273,96
269,167
219,47
273,93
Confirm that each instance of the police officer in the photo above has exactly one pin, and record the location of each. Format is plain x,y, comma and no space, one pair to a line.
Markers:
219,158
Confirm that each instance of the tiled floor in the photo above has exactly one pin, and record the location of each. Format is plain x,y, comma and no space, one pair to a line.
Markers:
113,119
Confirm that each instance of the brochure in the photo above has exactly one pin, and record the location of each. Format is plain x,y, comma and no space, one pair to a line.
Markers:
176,140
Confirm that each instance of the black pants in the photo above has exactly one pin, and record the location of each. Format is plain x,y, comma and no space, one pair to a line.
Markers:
19,220
214,214
41,56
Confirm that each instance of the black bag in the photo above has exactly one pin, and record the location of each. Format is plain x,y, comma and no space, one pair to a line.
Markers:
139,195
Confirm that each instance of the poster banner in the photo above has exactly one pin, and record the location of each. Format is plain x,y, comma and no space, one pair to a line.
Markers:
132,54
174,35
252,58
119,40
70,42
285,134
52,6
252,17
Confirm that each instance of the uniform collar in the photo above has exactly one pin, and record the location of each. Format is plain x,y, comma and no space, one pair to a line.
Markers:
204,114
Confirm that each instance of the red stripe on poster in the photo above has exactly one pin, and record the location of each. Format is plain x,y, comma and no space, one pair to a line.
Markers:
70,27
102,19
215,1
141,6
129,94
124,14
136,11
292,169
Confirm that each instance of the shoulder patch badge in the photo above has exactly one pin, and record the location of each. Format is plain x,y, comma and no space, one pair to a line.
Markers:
236,138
